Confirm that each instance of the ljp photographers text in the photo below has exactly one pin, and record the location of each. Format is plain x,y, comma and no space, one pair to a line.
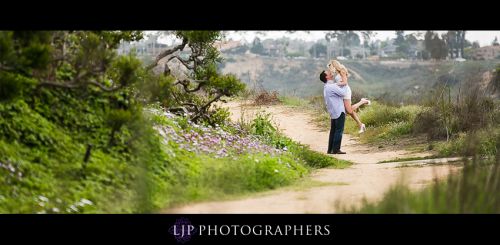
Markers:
183,230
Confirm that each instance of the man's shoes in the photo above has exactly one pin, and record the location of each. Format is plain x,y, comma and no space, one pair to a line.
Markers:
338,152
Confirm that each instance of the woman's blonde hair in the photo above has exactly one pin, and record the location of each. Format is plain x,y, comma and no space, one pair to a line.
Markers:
335,67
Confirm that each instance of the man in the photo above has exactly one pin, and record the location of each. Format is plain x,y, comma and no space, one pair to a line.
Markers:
334,101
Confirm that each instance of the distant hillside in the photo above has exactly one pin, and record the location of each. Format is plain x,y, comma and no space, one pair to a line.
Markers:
288,76
400,81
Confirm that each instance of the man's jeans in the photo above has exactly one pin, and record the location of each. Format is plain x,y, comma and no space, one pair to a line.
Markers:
336,131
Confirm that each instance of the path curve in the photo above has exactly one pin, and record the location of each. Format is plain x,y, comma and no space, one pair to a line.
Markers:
364,179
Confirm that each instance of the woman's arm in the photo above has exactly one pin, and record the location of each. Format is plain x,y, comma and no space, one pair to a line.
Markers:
343,75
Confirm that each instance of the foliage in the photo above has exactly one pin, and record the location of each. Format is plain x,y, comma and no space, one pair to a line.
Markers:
263,126
317,49
257,47
470,191
73,137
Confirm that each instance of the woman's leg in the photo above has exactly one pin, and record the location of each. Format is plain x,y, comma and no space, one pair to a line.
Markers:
350,111
357,105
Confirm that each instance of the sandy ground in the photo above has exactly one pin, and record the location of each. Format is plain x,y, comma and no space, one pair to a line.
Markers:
346,187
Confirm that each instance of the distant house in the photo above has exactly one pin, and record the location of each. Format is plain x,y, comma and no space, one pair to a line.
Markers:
225,45
274,48
415,51
149,47
486,53
389,49
358,51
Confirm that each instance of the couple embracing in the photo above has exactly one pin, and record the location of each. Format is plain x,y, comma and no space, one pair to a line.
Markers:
337,94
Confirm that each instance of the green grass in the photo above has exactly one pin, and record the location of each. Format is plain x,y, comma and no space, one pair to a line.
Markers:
294,101
407,159
42,168
263,127
307,183
316,159
194,178
482,142
200,178
383,122
47,162
474,190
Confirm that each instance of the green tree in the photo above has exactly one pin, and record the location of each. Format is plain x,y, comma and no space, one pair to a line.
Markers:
342,38
452,43
461,41
203,85
402,45
317,49
411,39
257,47
67,59
353,39
495,42
496,79
87,60
366,40
71,111
435,46
373,48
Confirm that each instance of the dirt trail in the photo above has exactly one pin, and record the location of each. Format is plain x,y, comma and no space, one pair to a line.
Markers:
365,178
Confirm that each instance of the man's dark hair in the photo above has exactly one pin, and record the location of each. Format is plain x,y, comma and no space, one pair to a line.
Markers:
322,76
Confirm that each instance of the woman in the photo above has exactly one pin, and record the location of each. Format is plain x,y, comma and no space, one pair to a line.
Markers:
340,74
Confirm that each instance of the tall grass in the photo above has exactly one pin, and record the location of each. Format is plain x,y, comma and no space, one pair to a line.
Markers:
469,116
384,122
474,190
190,176
463,125
293,101
263,126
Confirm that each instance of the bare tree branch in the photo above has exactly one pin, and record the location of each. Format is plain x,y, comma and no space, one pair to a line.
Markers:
168,52
59,84
101,86
203,108
6,68
184,62
185,83
77,84
190,104
72,85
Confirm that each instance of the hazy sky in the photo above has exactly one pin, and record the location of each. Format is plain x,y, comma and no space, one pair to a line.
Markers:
483,37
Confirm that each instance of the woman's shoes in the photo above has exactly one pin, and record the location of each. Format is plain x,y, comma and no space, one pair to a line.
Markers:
362,129
368,102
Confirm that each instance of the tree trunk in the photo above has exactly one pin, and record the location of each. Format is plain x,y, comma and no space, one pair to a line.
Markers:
462,43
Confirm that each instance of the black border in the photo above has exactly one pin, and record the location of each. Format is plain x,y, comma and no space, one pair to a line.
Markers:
249,15
153,228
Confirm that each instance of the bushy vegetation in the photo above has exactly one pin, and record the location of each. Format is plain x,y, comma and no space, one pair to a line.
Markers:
471,115
74,136
209,163
392,82
45,164
470,191
384,122
263,126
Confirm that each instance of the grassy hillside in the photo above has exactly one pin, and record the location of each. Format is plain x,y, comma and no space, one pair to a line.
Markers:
393,81
156,161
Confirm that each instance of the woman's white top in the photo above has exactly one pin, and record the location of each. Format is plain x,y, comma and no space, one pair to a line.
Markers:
348,93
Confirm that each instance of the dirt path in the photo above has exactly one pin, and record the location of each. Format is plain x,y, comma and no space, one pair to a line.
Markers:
348,186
